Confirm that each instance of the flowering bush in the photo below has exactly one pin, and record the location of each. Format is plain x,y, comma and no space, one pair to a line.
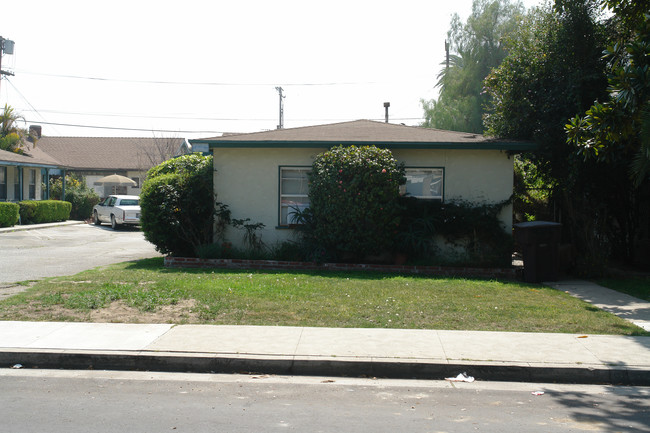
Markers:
353,195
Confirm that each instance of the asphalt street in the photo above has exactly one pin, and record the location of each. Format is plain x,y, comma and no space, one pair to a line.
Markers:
67,250
65,401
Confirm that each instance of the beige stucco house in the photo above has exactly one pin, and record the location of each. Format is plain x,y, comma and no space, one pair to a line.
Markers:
263,175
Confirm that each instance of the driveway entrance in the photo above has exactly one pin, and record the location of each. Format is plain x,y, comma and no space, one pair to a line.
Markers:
67,250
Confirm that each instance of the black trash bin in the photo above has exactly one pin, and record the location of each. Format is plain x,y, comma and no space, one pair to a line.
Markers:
539,242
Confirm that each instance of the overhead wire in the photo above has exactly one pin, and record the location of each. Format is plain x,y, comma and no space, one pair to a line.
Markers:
77,125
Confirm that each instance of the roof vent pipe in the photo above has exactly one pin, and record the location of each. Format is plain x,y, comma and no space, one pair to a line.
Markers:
386,105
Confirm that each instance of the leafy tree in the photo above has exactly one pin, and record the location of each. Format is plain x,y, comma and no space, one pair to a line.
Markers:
553,70
178,206
615,133
618,128
475,48
353,195
630,12
11,136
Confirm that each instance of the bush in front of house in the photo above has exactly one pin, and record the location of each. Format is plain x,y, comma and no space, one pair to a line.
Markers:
177,205
9,214
44,211
472,229
82,198
353,211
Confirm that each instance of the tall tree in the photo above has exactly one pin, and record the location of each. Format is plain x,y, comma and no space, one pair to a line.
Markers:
475,47
553,70
617,129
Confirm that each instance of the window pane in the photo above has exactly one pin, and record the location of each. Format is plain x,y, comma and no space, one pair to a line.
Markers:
294,193
424,183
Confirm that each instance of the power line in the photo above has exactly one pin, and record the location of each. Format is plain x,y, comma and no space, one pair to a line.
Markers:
115,128
195,83
210,119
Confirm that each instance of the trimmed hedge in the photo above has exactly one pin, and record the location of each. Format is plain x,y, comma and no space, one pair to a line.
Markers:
177,205
44,211
9,214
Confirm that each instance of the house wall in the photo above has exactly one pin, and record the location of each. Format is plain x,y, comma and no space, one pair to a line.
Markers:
103,191
247,180
478,176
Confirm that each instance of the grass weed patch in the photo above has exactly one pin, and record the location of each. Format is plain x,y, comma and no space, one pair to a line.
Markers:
145,291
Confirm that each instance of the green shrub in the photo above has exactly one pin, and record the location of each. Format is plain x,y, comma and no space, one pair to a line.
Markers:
475,228
9,214
82,198
44,211
177,205
353,195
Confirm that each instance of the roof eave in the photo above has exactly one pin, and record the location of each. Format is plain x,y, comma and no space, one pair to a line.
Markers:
486,145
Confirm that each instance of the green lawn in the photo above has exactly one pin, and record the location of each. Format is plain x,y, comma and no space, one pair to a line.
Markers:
638,287
146,292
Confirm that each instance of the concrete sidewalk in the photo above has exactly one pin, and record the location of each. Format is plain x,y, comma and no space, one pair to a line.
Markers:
424,354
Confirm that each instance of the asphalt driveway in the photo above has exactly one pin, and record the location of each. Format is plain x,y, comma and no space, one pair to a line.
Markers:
67,250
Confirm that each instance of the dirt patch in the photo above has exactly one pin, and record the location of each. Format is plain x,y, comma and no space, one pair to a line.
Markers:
184,311
13,289
118,312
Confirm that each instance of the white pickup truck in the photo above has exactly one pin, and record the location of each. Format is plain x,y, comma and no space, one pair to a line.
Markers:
118,210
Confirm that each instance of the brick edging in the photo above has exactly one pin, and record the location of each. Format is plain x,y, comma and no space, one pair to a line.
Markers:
277,265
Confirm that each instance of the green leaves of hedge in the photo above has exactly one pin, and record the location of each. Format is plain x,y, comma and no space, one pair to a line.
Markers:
353,200
177,205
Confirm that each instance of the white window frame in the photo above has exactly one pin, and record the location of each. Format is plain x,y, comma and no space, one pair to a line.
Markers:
422,172
288,200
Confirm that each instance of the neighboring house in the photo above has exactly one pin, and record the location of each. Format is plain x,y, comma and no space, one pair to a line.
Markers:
24,177
95,157
263,175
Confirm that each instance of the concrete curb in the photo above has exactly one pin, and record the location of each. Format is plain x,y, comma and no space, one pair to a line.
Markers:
39,226
320,366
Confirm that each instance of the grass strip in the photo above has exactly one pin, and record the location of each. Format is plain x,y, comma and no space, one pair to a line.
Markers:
146,292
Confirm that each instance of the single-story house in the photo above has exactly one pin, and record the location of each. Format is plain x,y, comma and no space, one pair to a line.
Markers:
263,175
95,157
24,176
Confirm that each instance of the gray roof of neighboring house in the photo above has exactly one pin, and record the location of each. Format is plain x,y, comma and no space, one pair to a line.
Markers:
107,153
365,132
33,156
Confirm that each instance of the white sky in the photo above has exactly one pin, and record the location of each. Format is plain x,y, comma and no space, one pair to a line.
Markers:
336,60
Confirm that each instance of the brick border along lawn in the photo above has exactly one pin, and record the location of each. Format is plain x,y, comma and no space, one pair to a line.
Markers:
276,265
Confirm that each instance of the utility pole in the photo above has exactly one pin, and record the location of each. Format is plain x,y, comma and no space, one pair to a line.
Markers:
6,47
281,124
447,52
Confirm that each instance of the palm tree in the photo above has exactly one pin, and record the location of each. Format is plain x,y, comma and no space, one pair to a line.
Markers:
11,136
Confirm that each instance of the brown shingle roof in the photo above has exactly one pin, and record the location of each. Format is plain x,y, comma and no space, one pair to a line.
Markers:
362,132
101,153
32,157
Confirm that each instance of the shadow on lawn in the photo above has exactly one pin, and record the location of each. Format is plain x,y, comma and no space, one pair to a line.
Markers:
157,264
